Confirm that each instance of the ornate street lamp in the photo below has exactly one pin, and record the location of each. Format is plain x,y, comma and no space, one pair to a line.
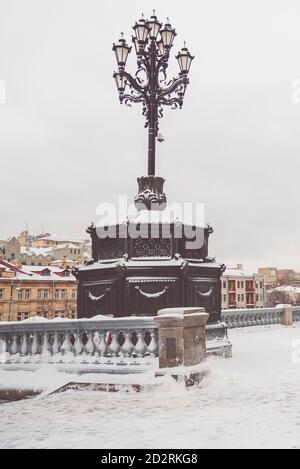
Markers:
150,86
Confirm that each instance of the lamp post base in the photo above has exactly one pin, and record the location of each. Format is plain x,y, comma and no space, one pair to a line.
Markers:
150,193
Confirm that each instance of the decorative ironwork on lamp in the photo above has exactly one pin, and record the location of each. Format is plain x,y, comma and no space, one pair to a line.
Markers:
151,87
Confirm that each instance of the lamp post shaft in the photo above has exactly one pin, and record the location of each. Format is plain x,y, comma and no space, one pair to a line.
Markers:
152,110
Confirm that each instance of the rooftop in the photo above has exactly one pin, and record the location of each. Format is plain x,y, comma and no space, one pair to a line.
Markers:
40,273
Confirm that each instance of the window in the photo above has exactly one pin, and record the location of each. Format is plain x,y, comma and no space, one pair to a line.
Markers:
242,284
1,293
43,314
239,297
59,314
73,313
45,273
74,294
22,316
261,284
242,297
225,298
27,294
20,294
43,294
60,294
257,297
224,283
238,284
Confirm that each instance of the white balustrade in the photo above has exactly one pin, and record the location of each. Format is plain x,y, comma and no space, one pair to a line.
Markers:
115,340
255,317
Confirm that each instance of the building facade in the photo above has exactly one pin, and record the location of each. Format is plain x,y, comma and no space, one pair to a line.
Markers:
274,277
242,289
29,291
44,250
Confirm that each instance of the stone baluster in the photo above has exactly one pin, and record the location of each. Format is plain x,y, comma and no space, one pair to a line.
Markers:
56,343
100,344
4,348
14,345
140,346
34,348
78,344
24,345
67,347
114,346
89,347
127,346
153,346
270,318
46,349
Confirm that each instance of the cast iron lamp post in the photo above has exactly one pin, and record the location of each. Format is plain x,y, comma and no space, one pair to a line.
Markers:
150,86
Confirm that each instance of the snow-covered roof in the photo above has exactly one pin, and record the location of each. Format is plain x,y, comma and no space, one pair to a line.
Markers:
36,251
237,273
144,262
287,289
35,272
60,238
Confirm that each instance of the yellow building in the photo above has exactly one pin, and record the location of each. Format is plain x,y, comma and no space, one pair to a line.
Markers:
36,291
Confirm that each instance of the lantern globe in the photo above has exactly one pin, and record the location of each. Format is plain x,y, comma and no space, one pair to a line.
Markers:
155,26
141,30
121,50
184,59
167,34
120,82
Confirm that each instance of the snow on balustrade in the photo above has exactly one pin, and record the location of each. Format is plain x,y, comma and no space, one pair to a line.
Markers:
256,317
113,342
251,317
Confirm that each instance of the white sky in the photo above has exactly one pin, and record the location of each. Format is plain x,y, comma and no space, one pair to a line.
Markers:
66,144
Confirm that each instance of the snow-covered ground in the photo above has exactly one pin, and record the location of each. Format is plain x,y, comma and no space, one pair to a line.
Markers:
251,400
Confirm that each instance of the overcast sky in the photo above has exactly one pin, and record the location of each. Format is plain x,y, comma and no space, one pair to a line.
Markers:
66,144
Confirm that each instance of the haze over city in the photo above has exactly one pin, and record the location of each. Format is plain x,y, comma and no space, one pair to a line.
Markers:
67,144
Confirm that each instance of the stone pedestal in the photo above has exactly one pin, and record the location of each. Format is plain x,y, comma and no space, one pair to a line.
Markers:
181,334
286,317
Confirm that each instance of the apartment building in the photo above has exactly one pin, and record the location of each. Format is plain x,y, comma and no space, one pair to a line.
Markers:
241,289
28,291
